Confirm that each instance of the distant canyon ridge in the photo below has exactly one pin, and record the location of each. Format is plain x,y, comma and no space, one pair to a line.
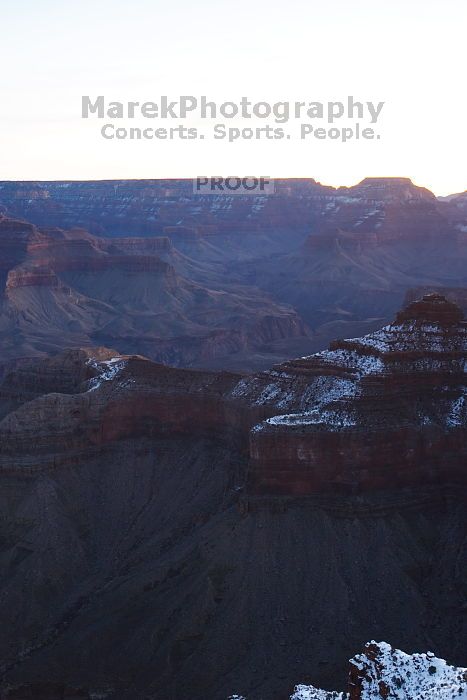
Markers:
218,281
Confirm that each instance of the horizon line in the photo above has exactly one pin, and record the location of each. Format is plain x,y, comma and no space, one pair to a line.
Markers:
187,179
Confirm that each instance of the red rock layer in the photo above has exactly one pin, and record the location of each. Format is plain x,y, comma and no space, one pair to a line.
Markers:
394,414
380,412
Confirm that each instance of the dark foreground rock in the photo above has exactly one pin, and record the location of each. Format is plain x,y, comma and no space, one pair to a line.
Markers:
144,555
384,673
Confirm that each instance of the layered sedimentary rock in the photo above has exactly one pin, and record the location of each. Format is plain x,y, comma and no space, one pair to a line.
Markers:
62,289
251,280
68,408
352,273
386,409
137,539
382,411
158,207
389,189
458,295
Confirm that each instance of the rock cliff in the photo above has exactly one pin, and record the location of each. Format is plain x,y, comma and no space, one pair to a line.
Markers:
217,282
61,289
383,672
388,409
139,537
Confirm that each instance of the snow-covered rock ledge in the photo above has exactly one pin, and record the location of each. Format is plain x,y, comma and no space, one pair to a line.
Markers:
384,673
106,371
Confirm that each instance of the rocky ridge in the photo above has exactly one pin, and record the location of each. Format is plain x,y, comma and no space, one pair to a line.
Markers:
391,406
63,289
217,282
384,672
382,411
159,207
137,539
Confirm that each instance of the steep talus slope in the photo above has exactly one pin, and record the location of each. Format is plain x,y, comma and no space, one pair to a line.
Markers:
162,605
64,289
339,278
15,237
137,544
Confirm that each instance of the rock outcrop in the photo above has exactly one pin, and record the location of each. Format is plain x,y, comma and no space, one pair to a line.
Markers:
138,538
383,411
458,295
158,207
387,410
62,289
251,281
384,673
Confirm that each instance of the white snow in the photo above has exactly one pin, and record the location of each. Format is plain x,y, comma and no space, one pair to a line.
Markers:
361,363
410,336
307,692
411,677
305,391
269,393
402,676
349,200
241,389
108,370
331,418
458,413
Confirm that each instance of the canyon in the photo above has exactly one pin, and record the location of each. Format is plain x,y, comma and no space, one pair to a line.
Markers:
233,441
217,282
149,513
64,289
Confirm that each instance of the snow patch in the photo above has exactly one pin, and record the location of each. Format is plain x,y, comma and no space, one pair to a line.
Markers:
108,370
307,692
458,414
386,672
410,677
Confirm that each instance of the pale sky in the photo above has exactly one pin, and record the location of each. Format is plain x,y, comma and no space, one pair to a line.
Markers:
409,54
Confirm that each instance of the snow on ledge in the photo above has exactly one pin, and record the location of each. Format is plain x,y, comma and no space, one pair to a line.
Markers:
384,672
108,370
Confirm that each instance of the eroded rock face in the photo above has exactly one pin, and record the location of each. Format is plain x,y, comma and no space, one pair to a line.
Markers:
391,189
63,410
432,308
458,295
379,412
131,541
217,281
385,410
384,673
159,207
62,289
